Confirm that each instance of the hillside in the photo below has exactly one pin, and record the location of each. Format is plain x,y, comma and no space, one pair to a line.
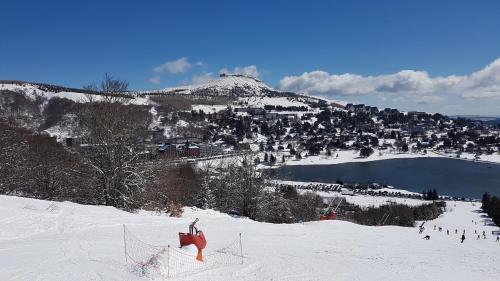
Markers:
225,85
53,241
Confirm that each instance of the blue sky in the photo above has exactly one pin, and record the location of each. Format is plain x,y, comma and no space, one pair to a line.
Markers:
344,50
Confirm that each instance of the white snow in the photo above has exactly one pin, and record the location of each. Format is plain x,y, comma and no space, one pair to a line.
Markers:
261,101
209,108
346,156
44,240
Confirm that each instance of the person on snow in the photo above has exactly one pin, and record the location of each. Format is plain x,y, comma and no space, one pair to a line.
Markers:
447,232
456,231
478,237
498,238
463,238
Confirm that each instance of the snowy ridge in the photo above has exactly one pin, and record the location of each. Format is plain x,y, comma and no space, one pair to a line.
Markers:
34,91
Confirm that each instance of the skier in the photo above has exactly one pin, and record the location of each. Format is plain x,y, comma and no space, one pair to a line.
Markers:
447,232
498,238
478,237
463,238
456,231
427,237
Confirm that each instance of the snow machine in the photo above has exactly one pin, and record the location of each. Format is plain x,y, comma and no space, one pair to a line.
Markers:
195,237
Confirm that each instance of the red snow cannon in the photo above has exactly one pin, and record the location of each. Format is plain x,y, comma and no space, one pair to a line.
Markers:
195,237
331,216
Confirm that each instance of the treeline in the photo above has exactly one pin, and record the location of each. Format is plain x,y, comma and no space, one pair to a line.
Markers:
285,108
39,167
430,194
234,187
113,173
491,205
394,214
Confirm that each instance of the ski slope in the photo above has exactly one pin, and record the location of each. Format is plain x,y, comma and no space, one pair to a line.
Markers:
44,240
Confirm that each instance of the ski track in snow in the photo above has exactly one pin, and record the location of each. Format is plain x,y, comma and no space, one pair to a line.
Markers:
44,240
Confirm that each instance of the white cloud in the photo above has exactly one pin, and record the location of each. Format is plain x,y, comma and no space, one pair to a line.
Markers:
178,66
484,83
427,99
203,78
250,70
155,79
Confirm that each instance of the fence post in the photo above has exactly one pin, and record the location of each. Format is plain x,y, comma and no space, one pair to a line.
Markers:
241,250
124,244
168,261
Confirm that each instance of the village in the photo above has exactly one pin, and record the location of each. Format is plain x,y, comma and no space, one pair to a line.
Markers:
303,128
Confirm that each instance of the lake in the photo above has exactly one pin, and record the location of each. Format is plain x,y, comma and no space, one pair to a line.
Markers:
449,176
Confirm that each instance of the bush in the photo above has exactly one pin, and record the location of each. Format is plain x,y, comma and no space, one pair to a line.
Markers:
396,214
365,151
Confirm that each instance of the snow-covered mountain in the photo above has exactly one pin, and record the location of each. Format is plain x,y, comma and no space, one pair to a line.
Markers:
225,85
229,85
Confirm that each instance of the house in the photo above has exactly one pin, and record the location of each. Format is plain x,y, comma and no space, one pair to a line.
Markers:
371,109
289,116
251,110
358,108
207,149
158,135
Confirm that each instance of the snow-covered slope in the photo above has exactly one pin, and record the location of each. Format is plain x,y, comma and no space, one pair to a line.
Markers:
43,240
34,91
229,85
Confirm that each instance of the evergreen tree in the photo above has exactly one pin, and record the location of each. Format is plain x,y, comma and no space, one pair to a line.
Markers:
256,161
272,159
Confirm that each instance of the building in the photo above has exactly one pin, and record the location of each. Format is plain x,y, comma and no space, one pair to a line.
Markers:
207,149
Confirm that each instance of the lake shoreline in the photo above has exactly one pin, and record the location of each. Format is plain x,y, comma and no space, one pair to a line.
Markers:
469,179
352,156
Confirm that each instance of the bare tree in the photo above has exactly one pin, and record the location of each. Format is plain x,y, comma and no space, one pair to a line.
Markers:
111,89
117,134
171,186
37,166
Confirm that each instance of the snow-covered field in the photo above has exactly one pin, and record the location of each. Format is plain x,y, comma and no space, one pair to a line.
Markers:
43,240
347,156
